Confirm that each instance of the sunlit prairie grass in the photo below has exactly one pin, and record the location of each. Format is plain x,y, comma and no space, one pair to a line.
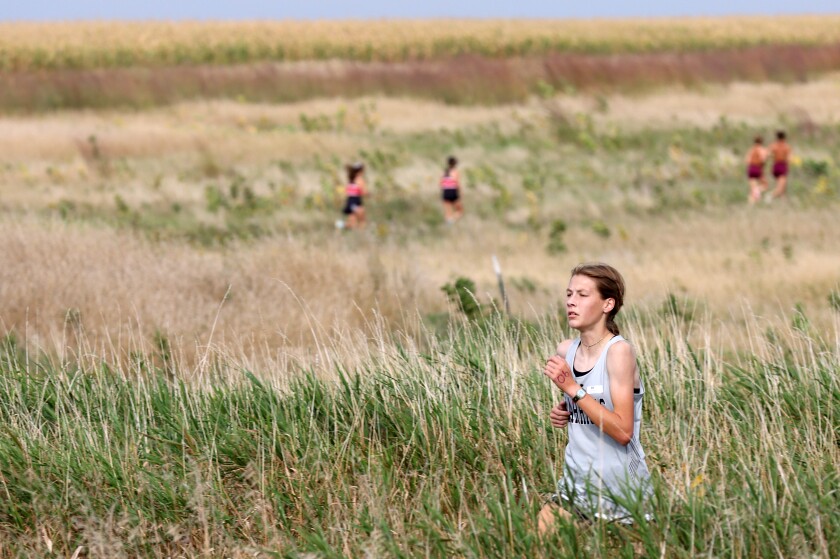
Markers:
118,44
297,391
144,239
279,298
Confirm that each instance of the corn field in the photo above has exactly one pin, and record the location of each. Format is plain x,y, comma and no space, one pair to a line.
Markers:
86,45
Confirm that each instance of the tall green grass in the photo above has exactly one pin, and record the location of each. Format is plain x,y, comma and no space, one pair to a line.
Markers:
434,447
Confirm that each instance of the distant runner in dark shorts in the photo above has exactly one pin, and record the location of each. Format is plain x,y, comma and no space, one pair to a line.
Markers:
781,151
450,189
354,207
755,169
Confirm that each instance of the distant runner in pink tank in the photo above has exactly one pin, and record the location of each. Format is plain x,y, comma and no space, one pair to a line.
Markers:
781,155
450,189
355,190
755,169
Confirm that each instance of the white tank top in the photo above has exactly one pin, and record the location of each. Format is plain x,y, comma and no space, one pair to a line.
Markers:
599,471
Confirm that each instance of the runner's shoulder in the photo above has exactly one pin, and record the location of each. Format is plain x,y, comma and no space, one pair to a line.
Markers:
563,347
621,351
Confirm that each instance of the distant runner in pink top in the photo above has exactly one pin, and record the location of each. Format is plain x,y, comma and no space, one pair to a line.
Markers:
355,190
781,155
755,169
450,189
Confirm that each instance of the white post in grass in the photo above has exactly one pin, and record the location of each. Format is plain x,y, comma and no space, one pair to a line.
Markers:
498,269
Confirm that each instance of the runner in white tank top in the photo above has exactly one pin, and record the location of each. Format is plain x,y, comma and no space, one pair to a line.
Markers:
604,474
598,470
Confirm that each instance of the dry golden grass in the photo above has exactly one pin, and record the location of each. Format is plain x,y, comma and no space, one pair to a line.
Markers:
114,289
752,103
61,282
288,295
118,44
235,132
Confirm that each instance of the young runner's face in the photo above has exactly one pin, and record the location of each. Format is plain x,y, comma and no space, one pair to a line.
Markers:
584,304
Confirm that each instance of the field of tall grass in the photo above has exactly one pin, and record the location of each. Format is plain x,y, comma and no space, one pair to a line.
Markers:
225,207
431,445
194,361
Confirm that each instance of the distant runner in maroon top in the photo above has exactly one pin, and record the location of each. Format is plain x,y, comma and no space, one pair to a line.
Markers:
755,169
780,150
450,189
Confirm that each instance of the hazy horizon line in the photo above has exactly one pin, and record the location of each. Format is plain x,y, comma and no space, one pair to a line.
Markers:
407,18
